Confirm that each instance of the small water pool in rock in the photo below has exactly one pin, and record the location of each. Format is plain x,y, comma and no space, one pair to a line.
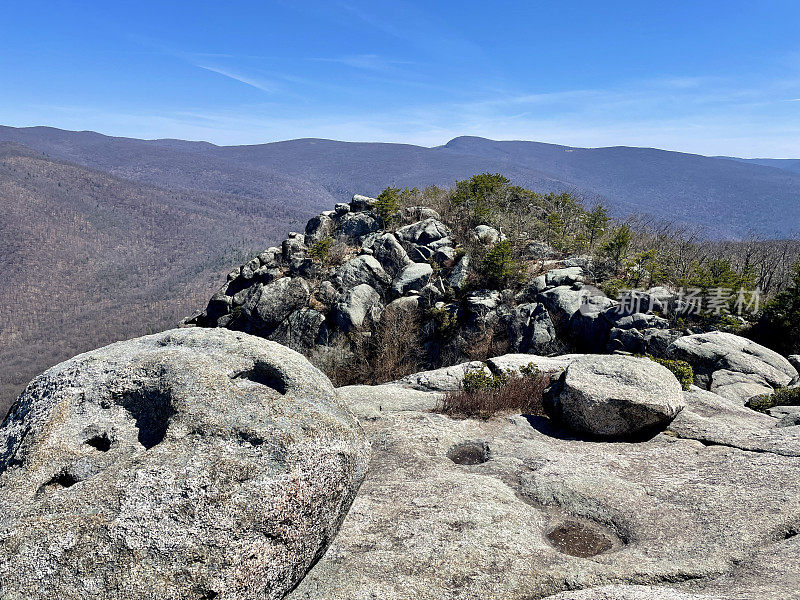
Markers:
578,539
469,453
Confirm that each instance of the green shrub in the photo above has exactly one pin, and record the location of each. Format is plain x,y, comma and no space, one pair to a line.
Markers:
781,397
499,269
387,205
320,250
476,381
445,321
680,368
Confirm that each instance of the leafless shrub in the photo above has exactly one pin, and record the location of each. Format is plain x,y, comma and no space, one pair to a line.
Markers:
518,394
383,351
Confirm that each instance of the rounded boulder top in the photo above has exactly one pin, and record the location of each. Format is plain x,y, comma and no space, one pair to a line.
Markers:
618,396
195,463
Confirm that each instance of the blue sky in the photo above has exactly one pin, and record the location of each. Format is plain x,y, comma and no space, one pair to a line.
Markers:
712,77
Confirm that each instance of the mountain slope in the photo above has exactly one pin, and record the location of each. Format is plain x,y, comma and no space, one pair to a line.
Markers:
89,258
727,197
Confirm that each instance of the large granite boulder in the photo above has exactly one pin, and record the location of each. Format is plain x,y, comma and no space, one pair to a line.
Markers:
424,232
269,305
390,254
567,276
319,228
563,302
618,396
195,463
359,224
709,352
301,330
412,278
360,270
530,329
356,306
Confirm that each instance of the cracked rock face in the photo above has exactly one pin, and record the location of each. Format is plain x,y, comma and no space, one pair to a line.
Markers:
515,508
190,464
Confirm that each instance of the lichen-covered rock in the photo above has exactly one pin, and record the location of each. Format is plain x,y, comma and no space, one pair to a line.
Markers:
362,269
618,396
358,224
276,301
563,301
460,273
390,254
195,463
318,228
709,352
738,386
301,330
631,592
423,232
530,329
567,276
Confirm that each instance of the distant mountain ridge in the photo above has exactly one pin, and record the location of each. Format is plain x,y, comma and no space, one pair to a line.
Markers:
728,197
789,164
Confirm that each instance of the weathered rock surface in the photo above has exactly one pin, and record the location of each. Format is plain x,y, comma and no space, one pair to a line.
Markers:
738,386
358,303
423,232
618,396
188,464
445,379
412,278
718,421
510,508
709,352
530,329
630,592
362,270
277,300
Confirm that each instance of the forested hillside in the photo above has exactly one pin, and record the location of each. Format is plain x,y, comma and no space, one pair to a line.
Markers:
89,258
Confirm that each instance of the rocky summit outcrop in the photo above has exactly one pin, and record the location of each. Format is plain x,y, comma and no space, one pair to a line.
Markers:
519,508
335,280
191,464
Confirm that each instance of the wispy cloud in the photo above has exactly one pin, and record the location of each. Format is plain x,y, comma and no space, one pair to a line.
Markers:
370,62
259,84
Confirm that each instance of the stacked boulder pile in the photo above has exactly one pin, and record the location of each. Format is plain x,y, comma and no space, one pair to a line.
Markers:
287,295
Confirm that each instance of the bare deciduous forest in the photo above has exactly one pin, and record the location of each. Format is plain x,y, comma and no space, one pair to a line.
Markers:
88,259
